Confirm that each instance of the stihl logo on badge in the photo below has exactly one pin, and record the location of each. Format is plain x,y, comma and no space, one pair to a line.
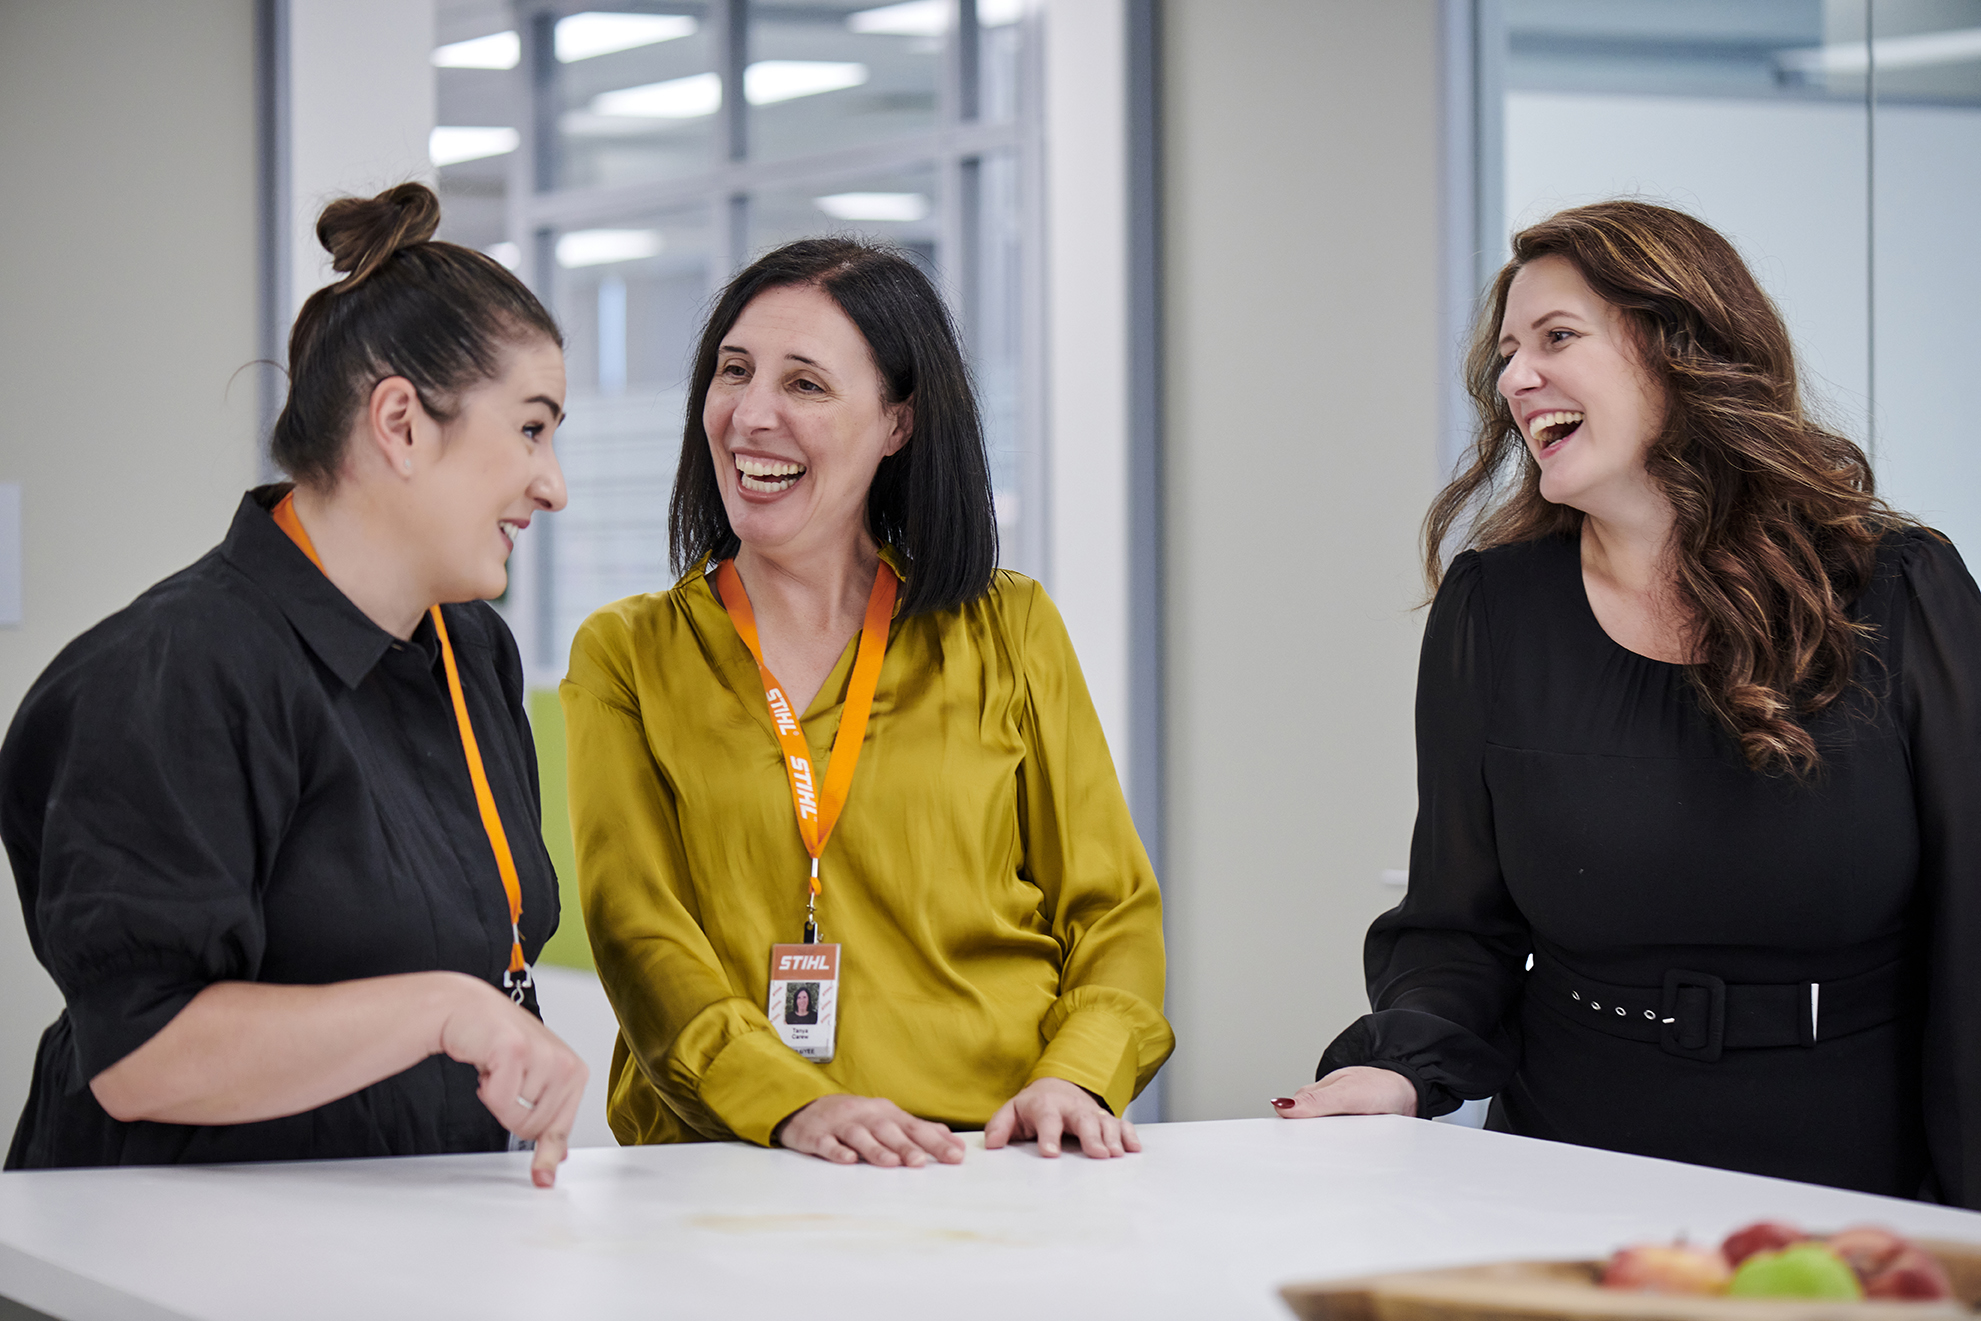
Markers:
804,998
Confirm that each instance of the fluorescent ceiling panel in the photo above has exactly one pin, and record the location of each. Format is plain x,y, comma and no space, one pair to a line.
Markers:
874,206
1918,51
601,247
497,50
452,144
764,83
769,81
916,18
928,18
591,34
678,98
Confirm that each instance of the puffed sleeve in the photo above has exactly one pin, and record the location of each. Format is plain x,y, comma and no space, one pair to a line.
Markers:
160,778
1445,966
709,1051
1940,688
1105,1032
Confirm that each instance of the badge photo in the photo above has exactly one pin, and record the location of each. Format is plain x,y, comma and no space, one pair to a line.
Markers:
804,998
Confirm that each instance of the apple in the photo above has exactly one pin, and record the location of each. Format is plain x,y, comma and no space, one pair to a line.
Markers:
1657,1268
1761,1236
1800,1270
1912,1273
1867,1248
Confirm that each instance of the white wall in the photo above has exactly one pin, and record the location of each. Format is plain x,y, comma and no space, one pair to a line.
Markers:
127,272
1086,202
361,106
1303,377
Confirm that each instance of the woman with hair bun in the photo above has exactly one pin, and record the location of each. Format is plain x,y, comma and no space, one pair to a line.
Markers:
855,863
1697,865
275,823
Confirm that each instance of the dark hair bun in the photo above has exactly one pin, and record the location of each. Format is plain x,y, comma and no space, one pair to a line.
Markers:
361,233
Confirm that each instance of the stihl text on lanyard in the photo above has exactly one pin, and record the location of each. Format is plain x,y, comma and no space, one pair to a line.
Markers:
818,805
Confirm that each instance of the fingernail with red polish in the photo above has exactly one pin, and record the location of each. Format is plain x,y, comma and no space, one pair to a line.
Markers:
1283,1103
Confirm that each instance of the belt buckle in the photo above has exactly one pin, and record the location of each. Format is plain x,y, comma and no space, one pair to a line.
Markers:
1694,1017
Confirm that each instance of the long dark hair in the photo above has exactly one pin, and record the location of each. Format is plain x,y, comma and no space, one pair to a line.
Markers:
931,499
1777,520
438,314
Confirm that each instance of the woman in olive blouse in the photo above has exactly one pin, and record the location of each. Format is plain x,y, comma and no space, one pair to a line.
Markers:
1001,926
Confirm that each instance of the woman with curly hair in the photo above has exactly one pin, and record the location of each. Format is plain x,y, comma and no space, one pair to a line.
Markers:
1699,754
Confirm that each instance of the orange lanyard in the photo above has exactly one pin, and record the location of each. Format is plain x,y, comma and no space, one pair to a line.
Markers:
818,807
491,820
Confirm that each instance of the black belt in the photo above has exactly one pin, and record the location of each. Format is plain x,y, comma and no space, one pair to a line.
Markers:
1697,1015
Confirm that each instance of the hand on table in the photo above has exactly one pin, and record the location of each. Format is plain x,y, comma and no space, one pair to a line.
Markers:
1356,1090
1051,1108
848,1129
530,1080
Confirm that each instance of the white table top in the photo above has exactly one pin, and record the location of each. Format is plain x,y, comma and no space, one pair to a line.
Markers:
1207,1222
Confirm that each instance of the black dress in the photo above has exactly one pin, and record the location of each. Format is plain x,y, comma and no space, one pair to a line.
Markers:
1727,968
239,777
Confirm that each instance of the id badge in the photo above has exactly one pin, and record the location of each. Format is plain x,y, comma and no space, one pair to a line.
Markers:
804,998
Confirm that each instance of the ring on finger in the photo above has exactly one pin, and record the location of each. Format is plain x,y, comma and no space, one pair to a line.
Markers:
526,1103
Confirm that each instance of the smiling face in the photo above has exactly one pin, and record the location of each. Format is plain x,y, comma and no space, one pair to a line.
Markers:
494,469
797,423
1573,379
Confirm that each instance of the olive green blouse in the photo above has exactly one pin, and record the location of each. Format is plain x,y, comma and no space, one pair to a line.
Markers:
998,919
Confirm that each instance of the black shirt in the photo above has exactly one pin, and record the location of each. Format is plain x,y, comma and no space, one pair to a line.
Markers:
1576,803
239,777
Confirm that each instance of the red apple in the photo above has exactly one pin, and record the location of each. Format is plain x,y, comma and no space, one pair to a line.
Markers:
1761,1236
1912,1273
1656,1268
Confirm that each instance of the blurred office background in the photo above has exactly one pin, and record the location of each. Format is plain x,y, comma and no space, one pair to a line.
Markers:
1215,261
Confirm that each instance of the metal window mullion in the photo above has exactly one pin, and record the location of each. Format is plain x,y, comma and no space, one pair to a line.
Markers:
274,151
965,93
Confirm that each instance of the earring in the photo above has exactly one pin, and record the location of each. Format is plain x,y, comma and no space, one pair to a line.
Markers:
407,465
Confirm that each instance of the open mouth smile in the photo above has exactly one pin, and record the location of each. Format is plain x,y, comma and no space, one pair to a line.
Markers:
767,476
510,530
1551,429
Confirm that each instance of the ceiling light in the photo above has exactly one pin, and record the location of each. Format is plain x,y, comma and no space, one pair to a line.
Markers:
874,206
764,83
497,50
584,36
928,18
450,145
916,18
600,247
769,81
1919,51
677,98
509,254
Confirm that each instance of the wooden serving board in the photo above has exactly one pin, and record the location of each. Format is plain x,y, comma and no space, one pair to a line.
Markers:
1568,1291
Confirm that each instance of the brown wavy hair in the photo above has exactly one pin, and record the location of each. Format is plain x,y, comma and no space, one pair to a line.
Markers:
1777,518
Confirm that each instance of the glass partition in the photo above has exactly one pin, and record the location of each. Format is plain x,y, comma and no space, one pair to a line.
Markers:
627,161
1835,141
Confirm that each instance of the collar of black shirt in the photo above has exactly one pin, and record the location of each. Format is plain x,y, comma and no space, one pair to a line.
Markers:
340,634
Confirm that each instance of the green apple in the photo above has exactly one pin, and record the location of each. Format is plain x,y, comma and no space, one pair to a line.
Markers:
1801,1270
